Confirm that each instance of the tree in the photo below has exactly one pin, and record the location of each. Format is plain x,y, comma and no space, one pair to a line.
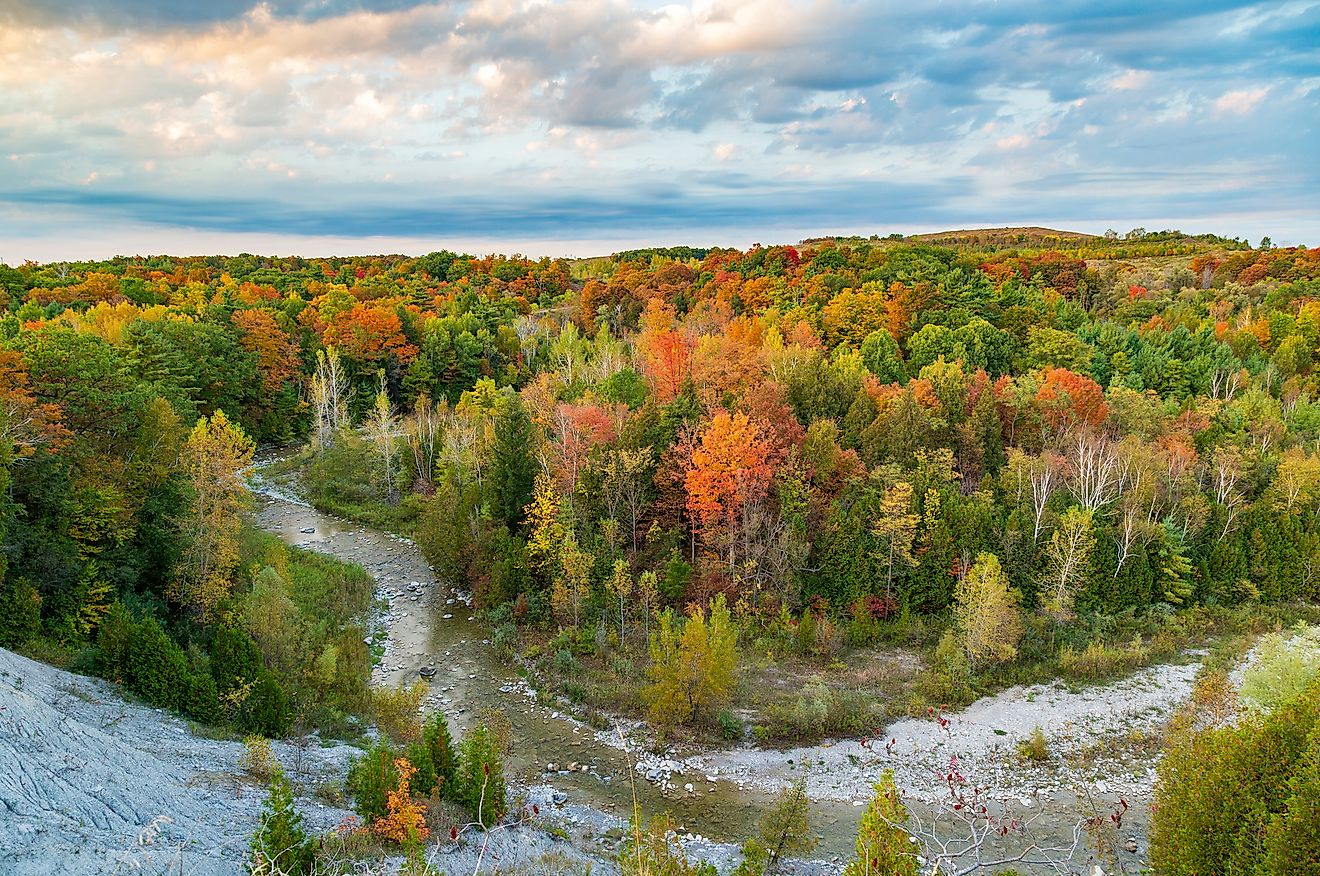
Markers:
214,457
480,779
883,847
729,476
785,829
405,819
985,612
572,584
280,846
621,585
329,398
512,466
693,665
895,528
382,427
1067,556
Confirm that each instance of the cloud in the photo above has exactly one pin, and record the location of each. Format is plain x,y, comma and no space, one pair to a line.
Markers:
505,111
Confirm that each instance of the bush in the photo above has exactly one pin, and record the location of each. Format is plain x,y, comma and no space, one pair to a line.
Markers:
371,777
1231,798
731,726
1100,661
505,640
155,666
396,711
201,702
480,779
113,639
440,748
20,613
1034,748
266,710
257,760
882,847
280,846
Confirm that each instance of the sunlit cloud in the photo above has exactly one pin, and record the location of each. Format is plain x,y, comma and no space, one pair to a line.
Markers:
510,120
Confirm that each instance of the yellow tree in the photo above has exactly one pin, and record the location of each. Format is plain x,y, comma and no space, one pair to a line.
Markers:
573,583
621,585
1067,555
214,457
693,668
546,529
895,528
985,612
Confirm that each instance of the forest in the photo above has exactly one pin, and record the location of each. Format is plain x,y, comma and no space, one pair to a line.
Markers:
667,474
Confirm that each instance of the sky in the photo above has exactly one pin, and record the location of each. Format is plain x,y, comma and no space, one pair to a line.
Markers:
581,127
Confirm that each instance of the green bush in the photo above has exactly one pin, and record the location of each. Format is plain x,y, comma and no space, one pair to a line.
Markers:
731,726
1239,798
371,777
266,709
20,613
440,747
280,844
154,666
201,702
480,778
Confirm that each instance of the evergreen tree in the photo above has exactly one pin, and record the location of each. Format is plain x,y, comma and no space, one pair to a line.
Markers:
513,468
280,846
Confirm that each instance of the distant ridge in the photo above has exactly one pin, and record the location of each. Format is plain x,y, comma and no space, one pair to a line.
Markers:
1000,236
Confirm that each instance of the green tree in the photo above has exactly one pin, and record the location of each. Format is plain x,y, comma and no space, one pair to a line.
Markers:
512,467
280,846
883,847
480,778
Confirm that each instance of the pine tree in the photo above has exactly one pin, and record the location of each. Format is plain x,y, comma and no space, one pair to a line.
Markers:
481,776
883,847
280,846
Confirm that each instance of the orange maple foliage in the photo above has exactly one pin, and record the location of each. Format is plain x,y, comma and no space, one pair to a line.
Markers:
369,333
666,352
276,350
25,424
731,469
1066,398
406,821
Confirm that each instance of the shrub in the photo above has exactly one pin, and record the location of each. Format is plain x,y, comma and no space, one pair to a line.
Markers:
440,748
200,700
396,710
266,709
1099,661
257,759
113,639
1034,748
280,846
505,640
480,780
370,778
405,819
731,726
882,846
1231,797
20,612
155,666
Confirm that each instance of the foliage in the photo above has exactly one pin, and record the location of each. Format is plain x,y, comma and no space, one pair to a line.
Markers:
396,710
883,847
371,777
985,613
1232,797
479,781
404,820
694,665
1282,667
257,759
280,846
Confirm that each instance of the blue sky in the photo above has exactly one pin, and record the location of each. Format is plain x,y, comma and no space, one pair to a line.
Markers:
581,126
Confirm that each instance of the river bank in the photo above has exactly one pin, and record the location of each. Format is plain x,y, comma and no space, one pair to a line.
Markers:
1101,740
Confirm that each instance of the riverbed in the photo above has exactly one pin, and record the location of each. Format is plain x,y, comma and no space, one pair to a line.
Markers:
587,778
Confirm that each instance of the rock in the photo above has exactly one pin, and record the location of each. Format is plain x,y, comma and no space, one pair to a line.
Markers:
552,767
688,787
1131,844
559,798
